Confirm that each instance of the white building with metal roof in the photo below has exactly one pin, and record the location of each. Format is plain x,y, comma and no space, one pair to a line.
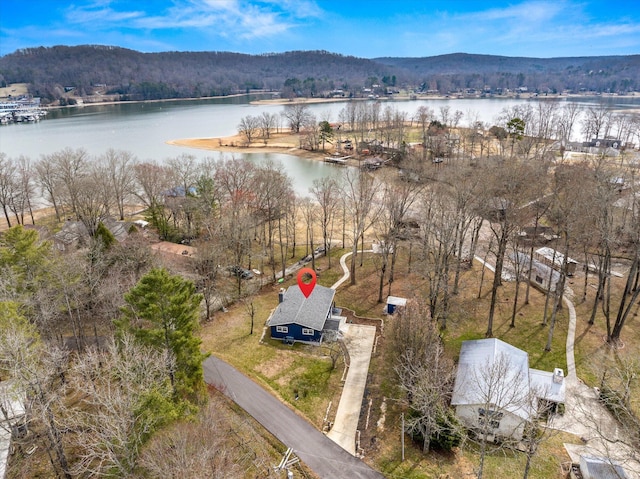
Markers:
495,390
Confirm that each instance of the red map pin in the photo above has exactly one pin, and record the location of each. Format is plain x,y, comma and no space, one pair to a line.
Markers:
307,288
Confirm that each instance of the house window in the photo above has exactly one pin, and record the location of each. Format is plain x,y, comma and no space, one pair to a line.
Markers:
539,279
282,329
307,332
489,417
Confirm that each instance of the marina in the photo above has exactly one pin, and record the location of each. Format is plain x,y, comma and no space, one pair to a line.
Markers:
23,110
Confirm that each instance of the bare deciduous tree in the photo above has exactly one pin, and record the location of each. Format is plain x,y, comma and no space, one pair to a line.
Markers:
325,191
39,374
498,396
124,397
7,185
217,444
424,373
248,127
296,115
360,191
121,176
267,122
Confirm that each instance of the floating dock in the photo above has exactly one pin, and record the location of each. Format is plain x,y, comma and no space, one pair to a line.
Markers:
341,160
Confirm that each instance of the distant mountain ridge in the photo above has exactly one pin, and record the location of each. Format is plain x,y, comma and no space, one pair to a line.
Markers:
50,71
465,62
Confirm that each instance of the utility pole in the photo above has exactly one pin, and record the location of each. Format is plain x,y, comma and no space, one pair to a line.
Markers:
402,437
286,463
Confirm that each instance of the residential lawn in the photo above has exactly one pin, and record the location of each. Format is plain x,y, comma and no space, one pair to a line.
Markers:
505,463
289,371
306,370
468,320
592,352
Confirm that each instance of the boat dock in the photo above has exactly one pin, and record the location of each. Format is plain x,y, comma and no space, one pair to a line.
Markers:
26,110
341,160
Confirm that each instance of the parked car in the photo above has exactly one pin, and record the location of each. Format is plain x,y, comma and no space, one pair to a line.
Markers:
241,272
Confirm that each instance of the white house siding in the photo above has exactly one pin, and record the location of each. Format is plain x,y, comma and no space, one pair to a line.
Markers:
511,426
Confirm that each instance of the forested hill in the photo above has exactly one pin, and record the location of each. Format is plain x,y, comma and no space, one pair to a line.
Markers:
615,74
179,74
134,75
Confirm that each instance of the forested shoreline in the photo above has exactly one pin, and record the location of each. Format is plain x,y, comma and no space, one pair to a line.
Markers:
61,72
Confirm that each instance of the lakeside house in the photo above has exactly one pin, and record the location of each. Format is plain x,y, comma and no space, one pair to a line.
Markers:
74,234
543,277
308,320
494,386
556,260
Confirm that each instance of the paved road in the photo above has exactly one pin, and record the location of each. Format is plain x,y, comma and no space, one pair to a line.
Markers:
321,454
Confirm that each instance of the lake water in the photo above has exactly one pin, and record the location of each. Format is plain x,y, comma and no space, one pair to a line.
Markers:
144,128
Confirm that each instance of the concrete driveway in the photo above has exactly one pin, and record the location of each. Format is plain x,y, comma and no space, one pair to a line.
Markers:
359,340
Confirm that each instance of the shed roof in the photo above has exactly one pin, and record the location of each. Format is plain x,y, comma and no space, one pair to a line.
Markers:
308,312
396,301
593,467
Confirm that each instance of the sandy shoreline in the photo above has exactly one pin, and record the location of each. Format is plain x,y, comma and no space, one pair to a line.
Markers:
278,143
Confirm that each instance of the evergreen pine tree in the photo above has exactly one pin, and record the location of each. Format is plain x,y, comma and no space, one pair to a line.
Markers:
162,311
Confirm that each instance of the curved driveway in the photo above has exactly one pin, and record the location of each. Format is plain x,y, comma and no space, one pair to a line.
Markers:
321,454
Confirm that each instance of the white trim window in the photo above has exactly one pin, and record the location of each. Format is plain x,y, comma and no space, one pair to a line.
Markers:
307,332
282,329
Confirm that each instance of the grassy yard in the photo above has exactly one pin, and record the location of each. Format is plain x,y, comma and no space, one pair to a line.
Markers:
301,371
306,370
501,463
593,353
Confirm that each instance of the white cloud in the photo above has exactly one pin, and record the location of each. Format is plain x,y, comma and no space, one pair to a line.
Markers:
529,28
527,12
99,12
242,18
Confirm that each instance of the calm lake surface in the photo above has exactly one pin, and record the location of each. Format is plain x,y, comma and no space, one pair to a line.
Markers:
144,128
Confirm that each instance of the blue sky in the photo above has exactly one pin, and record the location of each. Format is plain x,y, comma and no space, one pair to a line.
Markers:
369,29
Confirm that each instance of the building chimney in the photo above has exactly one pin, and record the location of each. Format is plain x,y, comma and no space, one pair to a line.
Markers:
281,295
558,375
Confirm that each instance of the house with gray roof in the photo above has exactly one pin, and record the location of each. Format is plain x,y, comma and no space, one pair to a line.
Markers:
306,320
74,234
494,386
543,277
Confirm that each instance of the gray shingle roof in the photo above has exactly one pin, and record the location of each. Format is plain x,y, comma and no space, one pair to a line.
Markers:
308,312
